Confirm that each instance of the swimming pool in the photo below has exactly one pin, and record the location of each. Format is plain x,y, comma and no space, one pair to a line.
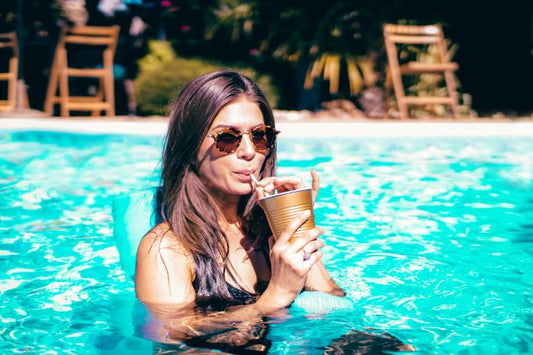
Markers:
431,237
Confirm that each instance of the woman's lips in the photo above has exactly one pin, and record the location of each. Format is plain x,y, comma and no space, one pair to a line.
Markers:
244,175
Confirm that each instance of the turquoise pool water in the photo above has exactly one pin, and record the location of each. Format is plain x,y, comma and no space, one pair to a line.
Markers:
432,238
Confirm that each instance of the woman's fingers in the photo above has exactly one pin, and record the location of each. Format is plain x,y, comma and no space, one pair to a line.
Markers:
288,183
305,245
265,186
291,261
312,258
296,250
311,251
281,184
315,184
259,192
312,247
269,185
293,226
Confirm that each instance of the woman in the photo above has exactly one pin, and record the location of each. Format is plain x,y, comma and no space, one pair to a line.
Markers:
214,249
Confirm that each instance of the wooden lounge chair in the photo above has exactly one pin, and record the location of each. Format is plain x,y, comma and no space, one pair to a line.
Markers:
99,40
430,57
9,41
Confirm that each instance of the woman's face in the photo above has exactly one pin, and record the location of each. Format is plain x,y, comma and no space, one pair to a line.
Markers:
230,174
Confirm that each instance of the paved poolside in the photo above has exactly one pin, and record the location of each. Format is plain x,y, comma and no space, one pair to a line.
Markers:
293,128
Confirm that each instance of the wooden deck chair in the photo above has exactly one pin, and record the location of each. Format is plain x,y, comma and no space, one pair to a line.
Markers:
419,51
9,41
103,42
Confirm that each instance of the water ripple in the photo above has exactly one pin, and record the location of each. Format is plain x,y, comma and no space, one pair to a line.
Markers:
431,238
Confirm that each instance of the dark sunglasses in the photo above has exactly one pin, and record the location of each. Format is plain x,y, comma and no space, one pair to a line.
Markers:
227,140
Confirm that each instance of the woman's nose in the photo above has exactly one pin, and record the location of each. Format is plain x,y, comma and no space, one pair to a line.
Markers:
246,149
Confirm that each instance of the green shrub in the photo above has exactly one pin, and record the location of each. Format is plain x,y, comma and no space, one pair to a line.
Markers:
162,74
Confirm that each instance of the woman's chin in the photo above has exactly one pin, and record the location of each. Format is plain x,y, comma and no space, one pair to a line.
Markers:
242,189
244,192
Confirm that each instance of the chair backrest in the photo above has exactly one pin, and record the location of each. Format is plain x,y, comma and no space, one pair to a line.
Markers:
91,35
421,53
416,36
9,40
83,52
9,72
86,44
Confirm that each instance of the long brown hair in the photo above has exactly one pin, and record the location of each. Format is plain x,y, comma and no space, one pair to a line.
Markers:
187,204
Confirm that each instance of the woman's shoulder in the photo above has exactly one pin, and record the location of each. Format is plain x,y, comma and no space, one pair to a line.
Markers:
161,239
161,231
165,271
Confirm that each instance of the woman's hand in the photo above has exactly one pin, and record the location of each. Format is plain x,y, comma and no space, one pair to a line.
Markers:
291,262
315,185
286,183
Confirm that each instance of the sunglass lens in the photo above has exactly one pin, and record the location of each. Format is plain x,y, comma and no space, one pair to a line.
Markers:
263,138
227,142
259,138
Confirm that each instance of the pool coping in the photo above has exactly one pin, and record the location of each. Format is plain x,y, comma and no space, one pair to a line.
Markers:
323,128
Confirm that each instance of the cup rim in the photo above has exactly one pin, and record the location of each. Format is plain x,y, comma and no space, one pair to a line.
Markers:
285,193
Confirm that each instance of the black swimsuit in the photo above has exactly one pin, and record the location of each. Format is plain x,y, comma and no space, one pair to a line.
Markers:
243,297
238,296
257,344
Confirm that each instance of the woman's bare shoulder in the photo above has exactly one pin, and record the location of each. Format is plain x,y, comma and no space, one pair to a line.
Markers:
164,269
161,241
162,236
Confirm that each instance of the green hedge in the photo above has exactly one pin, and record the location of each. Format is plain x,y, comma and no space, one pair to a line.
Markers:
162,74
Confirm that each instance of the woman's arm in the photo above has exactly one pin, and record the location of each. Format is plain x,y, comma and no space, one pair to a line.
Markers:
164,284
164,270
318,278
165,273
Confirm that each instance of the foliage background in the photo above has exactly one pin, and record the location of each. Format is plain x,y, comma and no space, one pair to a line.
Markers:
281,37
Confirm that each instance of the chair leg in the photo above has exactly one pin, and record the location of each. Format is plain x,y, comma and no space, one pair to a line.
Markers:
452,92
99,97
109,92
52,86
388,91
12,83
404,111
399,92
63,83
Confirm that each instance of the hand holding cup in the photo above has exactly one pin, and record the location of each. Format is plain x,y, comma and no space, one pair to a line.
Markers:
270,185
294,246
288,203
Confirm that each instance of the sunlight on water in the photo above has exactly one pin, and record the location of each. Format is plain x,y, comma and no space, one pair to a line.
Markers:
432,238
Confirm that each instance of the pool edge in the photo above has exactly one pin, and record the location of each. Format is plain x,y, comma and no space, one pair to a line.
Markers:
290,129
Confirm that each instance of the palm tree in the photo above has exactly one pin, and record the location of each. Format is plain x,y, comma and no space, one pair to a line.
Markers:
330,36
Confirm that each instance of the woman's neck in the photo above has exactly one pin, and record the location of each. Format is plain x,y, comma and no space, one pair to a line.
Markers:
231,224
229,211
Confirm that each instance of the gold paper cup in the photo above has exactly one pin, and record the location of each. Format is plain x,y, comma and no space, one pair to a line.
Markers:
281,209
